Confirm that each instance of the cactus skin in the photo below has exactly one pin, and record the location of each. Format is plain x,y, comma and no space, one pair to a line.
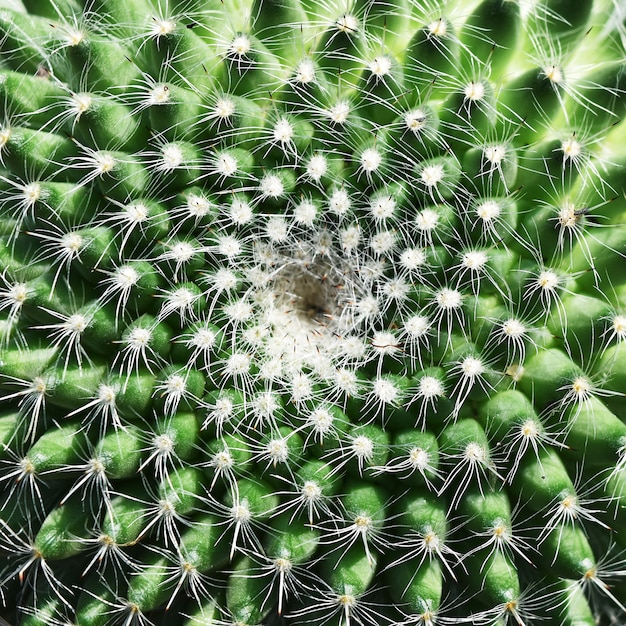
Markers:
312,314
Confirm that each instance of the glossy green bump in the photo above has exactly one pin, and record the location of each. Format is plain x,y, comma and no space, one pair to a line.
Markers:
99,62
256,496
22,364
51,452
174,49
105,123
547,375
126,518
575,606
24,40
173,111
420,586
181,488
430,58
247,66
561,20
60,534
416,457
68,388
147,589
292,541
31,96
567,550
493,167
40,153
529,97
590,424
349,577
120,175
586,317
120,453
543,481
46,610
91,611
243,592
491,34
280,23
505,410
340,47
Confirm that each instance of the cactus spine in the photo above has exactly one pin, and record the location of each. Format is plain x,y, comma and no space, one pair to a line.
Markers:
312,314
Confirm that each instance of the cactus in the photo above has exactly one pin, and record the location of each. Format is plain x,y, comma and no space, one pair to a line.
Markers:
312,313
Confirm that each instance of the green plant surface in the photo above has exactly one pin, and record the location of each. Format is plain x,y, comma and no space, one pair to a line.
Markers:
313,313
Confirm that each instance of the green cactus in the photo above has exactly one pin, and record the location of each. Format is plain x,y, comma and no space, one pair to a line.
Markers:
313,313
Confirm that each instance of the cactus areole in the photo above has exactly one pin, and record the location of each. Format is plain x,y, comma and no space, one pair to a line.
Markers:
313,313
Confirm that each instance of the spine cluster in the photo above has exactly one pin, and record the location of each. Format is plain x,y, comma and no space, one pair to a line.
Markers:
312,313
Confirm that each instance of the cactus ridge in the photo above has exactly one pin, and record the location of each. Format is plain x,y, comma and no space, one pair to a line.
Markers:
312,313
